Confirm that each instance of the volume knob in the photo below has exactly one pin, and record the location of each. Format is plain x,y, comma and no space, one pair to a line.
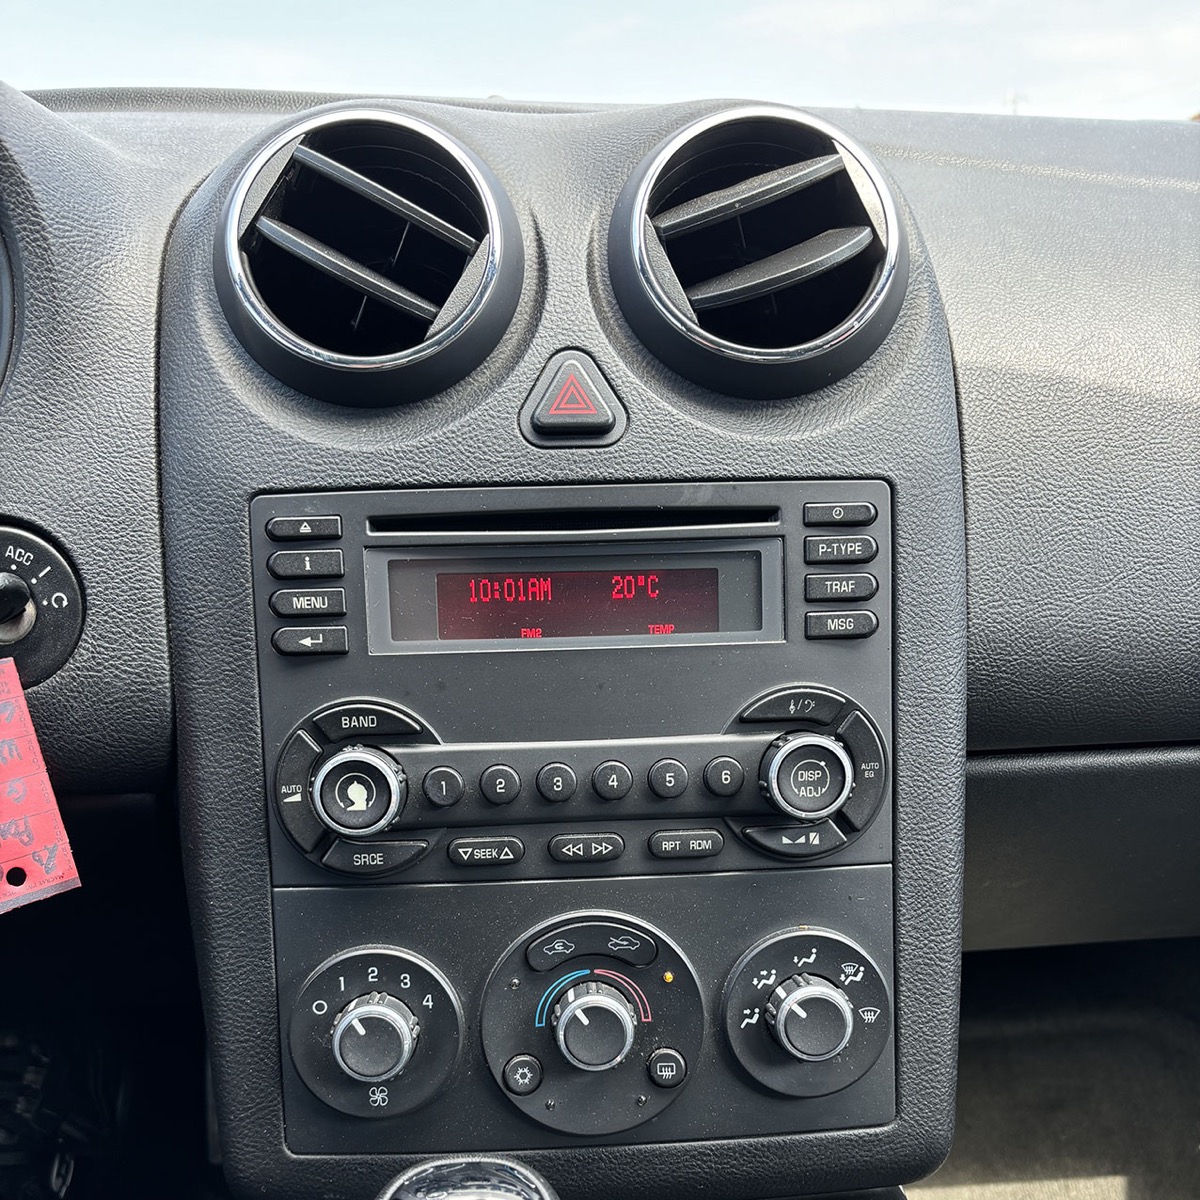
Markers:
375,1037
806,775
359,791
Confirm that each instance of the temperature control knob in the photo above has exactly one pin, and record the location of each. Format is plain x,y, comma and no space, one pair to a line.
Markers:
374,1037
359,791
811,1019
595,1026
806,775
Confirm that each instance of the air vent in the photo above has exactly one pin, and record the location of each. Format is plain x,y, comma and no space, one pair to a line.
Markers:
758,252
358,247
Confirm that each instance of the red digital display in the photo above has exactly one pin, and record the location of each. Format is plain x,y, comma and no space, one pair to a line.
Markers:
543,604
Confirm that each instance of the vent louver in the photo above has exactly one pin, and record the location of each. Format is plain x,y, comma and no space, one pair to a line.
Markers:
358,247
758,252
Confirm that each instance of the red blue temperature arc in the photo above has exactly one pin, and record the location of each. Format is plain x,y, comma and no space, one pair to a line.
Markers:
639,997
643,1005
543,1007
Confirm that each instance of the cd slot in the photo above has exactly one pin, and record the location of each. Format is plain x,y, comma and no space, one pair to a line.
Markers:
533,521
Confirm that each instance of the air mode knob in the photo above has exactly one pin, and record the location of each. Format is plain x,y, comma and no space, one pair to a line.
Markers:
806,775
359,791
810,1017
595,1026
375,1037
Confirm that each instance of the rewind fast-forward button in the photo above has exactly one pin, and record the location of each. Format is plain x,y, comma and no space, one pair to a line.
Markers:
796,841
586,847
486,851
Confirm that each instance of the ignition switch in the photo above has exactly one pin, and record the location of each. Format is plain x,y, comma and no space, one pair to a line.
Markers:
41,605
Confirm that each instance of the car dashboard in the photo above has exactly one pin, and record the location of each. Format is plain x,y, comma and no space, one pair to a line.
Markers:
619,598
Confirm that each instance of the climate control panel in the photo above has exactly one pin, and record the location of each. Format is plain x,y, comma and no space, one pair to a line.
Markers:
593,1024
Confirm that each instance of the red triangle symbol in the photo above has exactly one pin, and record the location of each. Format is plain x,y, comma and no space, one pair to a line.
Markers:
572,400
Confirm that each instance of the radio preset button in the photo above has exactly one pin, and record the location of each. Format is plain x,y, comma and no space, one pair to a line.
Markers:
364,720
500,784
686,843
724,776
668,778
372,858
301,564
486,851
444,787
556,782
612,780
844,548
298,529
586,847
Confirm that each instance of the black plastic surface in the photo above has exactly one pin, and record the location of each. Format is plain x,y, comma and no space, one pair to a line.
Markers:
1082,846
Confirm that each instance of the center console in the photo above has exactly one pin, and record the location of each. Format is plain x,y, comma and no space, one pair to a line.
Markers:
533,741
570,669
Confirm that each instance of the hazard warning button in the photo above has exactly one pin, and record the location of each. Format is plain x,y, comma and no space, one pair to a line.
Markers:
572,404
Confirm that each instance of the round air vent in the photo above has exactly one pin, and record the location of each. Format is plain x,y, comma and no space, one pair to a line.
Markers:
758,252
368,258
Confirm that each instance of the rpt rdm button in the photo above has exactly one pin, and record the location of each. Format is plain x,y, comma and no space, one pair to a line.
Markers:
686,843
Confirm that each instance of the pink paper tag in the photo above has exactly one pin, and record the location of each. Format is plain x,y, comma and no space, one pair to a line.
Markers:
35,856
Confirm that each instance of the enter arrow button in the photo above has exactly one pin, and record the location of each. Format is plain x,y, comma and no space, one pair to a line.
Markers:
311,639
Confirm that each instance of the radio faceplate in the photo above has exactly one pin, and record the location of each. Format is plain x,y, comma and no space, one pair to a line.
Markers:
700,749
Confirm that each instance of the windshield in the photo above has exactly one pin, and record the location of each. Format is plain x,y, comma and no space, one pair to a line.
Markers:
1080,58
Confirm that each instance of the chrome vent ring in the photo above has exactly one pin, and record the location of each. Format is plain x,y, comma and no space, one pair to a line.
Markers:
759,252
357,247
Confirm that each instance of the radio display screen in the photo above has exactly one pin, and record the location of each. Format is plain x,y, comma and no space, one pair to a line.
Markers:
572,595
628,597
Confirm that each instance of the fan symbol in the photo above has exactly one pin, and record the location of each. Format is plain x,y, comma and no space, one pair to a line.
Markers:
377,1097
